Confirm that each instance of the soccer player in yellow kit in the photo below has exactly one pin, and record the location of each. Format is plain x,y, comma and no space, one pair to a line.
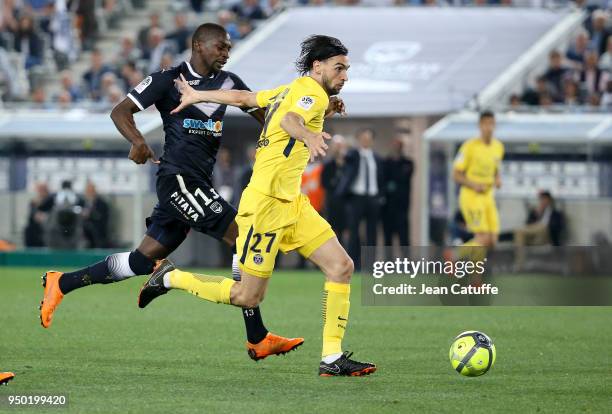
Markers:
476,169
273,214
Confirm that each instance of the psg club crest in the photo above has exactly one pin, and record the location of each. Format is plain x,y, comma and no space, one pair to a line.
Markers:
258,259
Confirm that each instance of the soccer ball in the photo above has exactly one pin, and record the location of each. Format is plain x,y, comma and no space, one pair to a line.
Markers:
472,353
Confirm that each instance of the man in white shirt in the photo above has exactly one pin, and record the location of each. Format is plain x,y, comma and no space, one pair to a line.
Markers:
361,186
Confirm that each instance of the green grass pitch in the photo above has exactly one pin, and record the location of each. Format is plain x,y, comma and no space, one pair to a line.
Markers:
184,355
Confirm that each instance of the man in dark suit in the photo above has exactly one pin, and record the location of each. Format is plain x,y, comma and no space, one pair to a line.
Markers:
398,177
362,186
333,171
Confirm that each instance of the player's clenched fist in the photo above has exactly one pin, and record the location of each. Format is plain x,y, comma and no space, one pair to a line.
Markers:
316,144
140,153
336,106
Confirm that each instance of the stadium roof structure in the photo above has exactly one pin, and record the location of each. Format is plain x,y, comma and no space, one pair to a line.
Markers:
73,126
406,61
561,128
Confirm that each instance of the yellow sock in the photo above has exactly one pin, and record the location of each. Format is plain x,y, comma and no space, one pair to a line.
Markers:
336,306
212,288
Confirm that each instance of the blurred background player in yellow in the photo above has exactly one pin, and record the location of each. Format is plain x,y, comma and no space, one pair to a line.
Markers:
274,215
476,170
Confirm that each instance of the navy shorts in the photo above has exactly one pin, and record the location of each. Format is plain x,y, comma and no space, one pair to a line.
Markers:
186,203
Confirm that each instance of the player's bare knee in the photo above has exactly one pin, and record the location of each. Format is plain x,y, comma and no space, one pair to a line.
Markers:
342,270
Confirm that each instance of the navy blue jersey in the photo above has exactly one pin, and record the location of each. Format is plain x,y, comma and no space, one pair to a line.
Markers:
193,135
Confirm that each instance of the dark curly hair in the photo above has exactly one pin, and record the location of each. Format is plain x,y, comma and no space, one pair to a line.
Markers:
318,47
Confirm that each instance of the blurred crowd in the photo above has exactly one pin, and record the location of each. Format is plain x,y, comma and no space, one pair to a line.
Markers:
68,220
42,37
579,76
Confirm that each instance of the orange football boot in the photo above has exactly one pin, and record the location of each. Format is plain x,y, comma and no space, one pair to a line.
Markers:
272,345
52,297
5,377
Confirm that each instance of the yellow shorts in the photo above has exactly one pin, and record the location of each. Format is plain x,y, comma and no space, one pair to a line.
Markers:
479,211
267,224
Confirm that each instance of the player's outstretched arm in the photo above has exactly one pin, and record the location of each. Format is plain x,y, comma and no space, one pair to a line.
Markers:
190,96
123,118
293,124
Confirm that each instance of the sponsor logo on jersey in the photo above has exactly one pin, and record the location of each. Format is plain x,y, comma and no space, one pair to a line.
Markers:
144,84
306,102
258,259
196,126
194,82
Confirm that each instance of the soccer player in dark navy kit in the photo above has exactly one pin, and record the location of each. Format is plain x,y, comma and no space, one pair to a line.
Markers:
186,197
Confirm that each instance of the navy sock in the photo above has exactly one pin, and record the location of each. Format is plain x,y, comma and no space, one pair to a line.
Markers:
256,331
90,275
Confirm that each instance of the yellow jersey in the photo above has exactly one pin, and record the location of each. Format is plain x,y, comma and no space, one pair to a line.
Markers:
480,161
280,159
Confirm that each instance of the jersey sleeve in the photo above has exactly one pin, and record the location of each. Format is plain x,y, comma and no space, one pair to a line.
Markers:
151,89
240,85
309,106
462,158
238,82
265,97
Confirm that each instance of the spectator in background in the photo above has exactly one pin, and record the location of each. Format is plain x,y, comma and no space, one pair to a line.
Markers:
531,96
575,54
591,78
167,61
28,42
143,34
108,81
571,93
362,184
227,19
158,46
130,75
86,22
244,28
9,84
605,61
8,19
96,215
599,31
333,170
398,182
68,85
92,79
38,97
181,33
61,32
40,207
555,74
196,5
606,97
273,6
545,225
249,10
64,99
128,52
65,219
